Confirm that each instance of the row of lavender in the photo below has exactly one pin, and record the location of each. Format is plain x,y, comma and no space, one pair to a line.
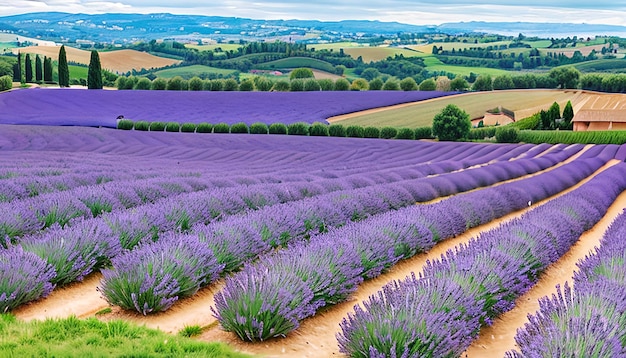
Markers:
240,239
440,312
24,217
590,321
78,249
257,304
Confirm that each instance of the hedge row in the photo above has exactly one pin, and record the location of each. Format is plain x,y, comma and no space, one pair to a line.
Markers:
6,83
298,128
569,137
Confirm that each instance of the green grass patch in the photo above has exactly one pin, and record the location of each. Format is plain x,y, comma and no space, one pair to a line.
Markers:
434,64
602,65
214,47
73,337
296,62
78,71
188,72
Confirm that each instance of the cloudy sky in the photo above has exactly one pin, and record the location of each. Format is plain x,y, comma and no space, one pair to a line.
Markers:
429,12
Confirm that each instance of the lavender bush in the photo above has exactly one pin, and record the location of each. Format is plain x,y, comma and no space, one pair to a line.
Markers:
25,277
155,275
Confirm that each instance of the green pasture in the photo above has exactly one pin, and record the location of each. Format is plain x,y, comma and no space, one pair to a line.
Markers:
73,337
602,65
191,71
76,71
420,114
297,62
434,64
367,53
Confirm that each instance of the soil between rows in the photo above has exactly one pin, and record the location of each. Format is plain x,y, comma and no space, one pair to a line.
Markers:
316,335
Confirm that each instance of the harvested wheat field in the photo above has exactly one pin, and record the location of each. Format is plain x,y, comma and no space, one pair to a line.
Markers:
120,61
284,240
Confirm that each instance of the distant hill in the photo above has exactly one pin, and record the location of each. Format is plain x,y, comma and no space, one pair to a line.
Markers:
128,28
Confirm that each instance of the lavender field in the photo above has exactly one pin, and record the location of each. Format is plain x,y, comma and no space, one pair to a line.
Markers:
285,239
77,107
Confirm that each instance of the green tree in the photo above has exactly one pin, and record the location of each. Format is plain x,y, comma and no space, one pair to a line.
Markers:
64,70
17,69
195,84
38,69
428,84
555,113
459,84
568,112
28,69
483,83
408,84
360,84
452,123
302,72
342,84
565,77
391,85
47,69
503,82
370,73
94,74
376,84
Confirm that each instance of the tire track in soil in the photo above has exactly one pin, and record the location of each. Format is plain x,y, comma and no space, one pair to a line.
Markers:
499,338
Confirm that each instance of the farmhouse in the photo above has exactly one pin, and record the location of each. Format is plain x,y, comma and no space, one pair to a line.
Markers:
600,119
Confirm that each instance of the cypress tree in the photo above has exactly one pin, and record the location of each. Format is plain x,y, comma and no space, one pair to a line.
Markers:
17,71
28,69
47,69
94,75
64,70
38,69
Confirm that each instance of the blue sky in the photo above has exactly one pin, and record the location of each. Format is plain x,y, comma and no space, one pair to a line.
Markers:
430,12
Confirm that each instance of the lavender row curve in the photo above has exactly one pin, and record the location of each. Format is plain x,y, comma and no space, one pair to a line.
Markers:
379,244
589,320
440,312
242,238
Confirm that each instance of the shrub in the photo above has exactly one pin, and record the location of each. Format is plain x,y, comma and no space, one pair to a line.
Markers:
388,133
326,84
204,127
459,84
408,84
405,133
142,126
246,85
239,128
188,127
176,83
159,84
281,86
277,128
263,84
336,130
124,83
143,84
221,128
359,84
25,277
299,73
371,132
506,135
376,84
195,84
312,84
355,131
230,84
6,83
481,133
318,129
342,84
172,127
298,128
452,123
531,122
125,124
391,85
259,128
157,126
216,85
423,133
428,84
296,85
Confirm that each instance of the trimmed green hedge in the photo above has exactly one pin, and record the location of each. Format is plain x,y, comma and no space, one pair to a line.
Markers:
239,128
125,124
278,128
188,127
371,132
298,128
204,128
388,133
355,131
405,133
569,137
318,129
221,128
481,133
423,133
506,135
259,128
6,83
142,125
336,130
172,127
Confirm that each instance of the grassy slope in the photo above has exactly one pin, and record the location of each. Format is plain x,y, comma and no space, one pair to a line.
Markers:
434,64
72,337
190,71
224,47
476,104
295,62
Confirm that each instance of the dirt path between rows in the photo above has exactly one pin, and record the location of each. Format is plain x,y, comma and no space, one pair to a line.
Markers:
496,340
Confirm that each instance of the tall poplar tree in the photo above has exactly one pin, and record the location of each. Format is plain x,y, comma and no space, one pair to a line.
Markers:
17,69
38,69
94,75
64,70
28,69
47,69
